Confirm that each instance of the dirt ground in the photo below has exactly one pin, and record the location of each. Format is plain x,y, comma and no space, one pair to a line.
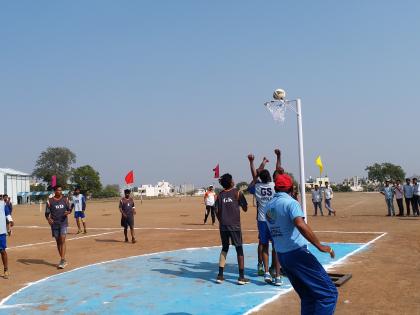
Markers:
385,277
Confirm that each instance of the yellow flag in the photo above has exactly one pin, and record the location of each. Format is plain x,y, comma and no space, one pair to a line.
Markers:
318,162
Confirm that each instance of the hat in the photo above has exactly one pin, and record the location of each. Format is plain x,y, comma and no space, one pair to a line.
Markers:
283,181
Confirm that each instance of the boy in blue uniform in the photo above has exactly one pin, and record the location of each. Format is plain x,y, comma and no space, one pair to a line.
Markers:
4,215
78,203
9,207
290,233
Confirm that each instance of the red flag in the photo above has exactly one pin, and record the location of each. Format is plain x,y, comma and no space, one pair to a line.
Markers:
129,178
53,181
216,171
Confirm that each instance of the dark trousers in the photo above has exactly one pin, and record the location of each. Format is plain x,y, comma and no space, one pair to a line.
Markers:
316,205
318,294
416,201
212,210
400,207
408,203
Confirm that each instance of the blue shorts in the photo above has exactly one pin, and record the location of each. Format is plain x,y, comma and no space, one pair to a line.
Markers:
3,244
79,214
58,231
264,233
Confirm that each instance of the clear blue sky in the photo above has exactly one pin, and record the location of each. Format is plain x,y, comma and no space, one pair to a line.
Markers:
171,88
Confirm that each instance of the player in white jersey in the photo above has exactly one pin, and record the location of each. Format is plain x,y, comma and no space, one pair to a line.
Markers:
78,204
263,188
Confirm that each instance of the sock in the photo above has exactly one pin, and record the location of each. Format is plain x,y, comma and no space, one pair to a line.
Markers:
221,271
241,273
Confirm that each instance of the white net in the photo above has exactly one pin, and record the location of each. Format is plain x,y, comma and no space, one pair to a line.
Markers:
277,110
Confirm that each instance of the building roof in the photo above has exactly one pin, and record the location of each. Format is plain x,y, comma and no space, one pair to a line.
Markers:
11,171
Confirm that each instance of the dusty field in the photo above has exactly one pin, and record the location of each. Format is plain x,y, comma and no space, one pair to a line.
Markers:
385,278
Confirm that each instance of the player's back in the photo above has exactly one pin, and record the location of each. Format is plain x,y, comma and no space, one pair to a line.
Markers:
264,192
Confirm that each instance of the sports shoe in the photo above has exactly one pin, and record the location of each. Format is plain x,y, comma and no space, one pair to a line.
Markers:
243,280
133,241
268,278
62,264
220,279
260,270
277,281
84,232
6,274
126,240
272,271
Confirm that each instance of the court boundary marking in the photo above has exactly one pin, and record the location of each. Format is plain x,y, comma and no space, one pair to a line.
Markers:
327,267
254,309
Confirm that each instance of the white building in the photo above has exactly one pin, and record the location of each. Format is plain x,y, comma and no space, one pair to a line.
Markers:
15,184
161,189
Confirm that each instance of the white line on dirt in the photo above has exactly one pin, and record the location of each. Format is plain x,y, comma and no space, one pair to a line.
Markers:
53,242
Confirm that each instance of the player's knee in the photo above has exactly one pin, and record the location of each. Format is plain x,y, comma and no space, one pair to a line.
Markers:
239,250
225,248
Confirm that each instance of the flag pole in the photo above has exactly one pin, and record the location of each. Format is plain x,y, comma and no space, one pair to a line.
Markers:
301,157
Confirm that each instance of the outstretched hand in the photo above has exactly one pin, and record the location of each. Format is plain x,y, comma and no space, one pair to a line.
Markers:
277,152
251,157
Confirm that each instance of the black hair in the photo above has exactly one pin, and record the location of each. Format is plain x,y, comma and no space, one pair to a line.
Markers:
265,176
414,178
76,188
226,181
5,195
127,191
408,179
56,187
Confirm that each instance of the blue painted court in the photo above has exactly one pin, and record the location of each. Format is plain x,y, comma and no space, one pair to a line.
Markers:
176,282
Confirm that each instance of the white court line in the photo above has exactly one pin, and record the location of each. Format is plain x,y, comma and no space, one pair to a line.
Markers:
329,266
192,229
68,240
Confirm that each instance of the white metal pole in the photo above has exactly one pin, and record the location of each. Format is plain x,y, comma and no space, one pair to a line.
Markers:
301,158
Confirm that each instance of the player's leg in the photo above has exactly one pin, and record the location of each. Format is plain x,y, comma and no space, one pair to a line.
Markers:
8,228
264,236
77,217
132,231
63,247
224,237
213,214
260,267
83,219
206,214
236,237
3,242
315,208
124,224
407,205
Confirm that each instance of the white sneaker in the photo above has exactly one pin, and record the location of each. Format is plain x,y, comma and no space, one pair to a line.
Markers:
277,281
267,278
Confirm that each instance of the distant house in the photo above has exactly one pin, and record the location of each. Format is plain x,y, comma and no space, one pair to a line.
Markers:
162,188
15,184
320,181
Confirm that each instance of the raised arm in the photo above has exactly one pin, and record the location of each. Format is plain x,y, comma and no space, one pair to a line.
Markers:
307,232
278,160
254,174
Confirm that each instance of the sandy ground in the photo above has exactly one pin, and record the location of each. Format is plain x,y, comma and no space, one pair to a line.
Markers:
385,277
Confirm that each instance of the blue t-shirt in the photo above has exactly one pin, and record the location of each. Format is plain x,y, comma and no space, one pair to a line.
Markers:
280,212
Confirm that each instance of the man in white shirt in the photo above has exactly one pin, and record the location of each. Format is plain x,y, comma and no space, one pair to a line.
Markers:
328,193
317,200
209,201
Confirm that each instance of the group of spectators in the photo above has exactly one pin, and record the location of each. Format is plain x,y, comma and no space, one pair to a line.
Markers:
318,194
410,191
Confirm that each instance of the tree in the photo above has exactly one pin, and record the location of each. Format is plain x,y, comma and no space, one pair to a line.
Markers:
55,161
87,179
242,186
109,191
385,171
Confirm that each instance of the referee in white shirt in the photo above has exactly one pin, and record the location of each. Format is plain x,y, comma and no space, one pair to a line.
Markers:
328,193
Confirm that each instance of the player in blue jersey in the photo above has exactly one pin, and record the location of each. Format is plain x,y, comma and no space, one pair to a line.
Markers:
262,187
78,204
5,215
